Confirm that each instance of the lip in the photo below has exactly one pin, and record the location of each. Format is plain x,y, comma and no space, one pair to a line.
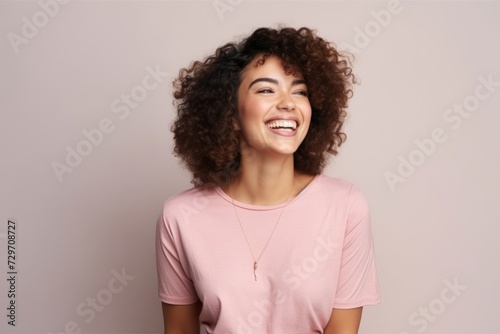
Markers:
284,133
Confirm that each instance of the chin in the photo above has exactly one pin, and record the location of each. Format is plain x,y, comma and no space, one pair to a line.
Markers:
286,151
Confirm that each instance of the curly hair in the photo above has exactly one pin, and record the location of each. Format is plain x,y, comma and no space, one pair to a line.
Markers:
206,100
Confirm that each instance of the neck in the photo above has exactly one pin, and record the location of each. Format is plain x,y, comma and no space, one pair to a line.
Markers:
264,180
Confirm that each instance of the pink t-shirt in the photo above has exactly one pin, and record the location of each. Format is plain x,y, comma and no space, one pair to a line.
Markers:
320,257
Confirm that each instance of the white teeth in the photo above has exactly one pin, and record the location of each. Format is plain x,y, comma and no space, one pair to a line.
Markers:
282,124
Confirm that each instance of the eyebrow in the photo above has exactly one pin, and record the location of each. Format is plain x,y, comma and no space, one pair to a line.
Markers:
274,81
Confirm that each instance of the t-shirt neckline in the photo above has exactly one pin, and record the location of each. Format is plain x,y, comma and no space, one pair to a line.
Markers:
248,206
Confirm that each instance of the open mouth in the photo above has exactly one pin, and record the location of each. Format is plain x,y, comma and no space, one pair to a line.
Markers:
285,125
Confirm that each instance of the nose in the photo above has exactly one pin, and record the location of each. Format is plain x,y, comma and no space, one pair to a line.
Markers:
286,103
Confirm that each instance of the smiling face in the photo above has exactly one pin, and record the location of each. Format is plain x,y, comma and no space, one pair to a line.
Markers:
274,112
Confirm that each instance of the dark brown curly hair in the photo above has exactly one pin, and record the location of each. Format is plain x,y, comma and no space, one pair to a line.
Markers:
206,101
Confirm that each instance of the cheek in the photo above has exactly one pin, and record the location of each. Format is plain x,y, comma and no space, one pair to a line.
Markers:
251,111
248,119
307,113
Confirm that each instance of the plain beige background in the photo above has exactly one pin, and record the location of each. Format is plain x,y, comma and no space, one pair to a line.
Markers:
435,227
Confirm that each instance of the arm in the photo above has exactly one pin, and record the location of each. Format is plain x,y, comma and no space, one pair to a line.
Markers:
344,321
181,319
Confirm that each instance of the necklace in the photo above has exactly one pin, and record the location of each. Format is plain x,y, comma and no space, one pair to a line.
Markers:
256,259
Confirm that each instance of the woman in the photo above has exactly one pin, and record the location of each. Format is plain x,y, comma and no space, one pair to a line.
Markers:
264,243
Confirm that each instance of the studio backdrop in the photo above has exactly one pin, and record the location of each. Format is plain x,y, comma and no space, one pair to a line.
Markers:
86,153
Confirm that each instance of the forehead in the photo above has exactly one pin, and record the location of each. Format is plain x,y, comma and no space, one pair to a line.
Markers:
261,65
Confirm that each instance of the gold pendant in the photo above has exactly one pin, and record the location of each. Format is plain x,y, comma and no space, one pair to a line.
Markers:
255,270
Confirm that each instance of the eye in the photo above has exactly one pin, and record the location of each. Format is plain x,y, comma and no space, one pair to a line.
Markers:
264,90
302,92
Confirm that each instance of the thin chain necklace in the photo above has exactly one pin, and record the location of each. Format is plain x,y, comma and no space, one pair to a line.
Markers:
256,259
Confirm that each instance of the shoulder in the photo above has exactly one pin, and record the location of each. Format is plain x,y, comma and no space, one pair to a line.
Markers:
342,190
194,197
188,202
183,196
334,183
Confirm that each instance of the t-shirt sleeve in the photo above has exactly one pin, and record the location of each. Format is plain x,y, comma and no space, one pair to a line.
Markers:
174,285
358,283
